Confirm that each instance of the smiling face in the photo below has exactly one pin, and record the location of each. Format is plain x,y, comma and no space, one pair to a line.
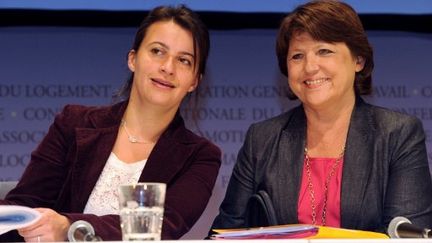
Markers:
163,66
321,74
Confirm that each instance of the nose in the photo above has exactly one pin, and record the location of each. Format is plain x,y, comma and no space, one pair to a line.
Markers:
167,66
311,64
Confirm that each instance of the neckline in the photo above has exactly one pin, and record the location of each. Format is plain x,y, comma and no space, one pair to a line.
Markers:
133,164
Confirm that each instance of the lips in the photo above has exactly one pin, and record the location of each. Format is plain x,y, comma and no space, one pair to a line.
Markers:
162,82
315,82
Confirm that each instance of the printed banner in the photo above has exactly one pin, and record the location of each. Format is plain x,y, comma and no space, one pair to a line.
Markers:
45,68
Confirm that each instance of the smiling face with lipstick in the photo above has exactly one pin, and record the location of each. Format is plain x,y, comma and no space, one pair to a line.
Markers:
334,160
321,74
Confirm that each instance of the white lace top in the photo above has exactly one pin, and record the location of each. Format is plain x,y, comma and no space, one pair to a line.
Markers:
104,197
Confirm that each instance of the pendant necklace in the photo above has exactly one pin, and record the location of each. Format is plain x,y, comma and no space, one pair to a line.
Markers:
132,138
327,182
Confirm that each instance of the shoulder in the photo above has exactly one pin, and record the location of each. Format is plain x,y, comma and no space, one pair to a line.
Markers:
264,135
179,133
291,120
81,116
201,141
385,126
389,120
71,111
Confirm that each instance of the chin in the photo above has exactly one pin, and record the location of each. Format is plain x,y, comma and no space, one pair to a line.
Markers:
315,102
163,102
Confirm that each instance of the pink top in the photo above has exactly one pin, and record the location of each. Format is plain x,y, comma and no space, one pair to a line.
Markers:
320,168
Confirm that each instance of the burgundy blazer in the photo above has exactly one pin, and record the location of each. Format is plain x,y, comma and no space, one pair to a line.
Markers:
66,165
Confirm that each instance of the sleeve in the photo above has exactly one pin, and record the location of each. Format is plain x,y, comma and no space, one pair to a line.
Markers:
240,188
187,197
107,226
409,190
44,180
44,177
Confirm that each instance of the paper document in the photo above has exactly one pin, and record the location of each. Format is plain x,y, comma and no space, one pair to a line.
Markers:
15,217
275,232
294,231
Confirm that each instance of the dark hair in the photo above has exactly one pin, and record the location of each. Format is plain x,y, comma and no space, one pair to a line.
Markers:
188,20
328,21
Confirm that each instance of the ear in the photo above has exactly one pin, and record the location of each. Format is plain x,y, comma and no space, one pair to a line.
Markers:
131,60
194,84
360,62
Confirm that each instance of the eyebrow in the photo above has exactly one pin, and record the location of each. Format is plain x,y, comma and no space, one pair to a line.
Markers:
167,47
317,46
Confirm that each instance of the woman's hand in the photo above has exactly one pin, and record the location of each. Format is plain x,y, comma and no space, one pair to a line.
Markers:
50,227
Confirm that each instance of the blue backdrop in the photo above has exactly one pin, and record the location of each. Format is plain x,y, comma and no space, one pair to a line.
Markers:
44,68
284,6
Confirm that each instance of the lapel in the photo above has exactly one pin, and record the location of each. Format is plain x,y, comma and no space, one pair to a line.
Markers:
94,145
170,153
356,170
357,164
291,155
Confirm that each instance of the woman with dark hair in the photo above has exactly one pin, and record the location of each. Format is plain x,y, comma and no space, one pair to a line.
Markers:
88,152
335,160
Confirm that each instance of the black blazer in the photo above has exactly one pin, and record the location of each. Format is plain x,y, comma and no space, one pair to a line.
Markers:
385,170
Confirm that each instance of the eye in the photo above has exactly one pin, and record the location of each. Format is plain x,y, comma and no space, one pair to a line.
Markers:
156,51
186,61
297,56
324,52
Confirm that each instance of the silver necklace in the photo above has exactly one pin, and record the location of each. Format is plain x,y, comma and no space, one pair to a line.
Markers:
132,138
327,182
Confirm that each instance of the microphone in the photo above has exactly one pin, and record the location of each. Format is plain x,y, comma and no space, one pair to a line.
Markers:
401,227
82,231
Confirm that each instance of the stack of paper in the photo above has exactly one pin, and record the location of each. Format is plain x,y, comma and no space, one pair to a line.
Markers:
275,232
16,217
294,231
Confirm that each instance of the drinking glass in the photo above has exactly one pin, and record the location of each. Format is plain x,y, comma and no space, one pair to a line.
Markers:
141,211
